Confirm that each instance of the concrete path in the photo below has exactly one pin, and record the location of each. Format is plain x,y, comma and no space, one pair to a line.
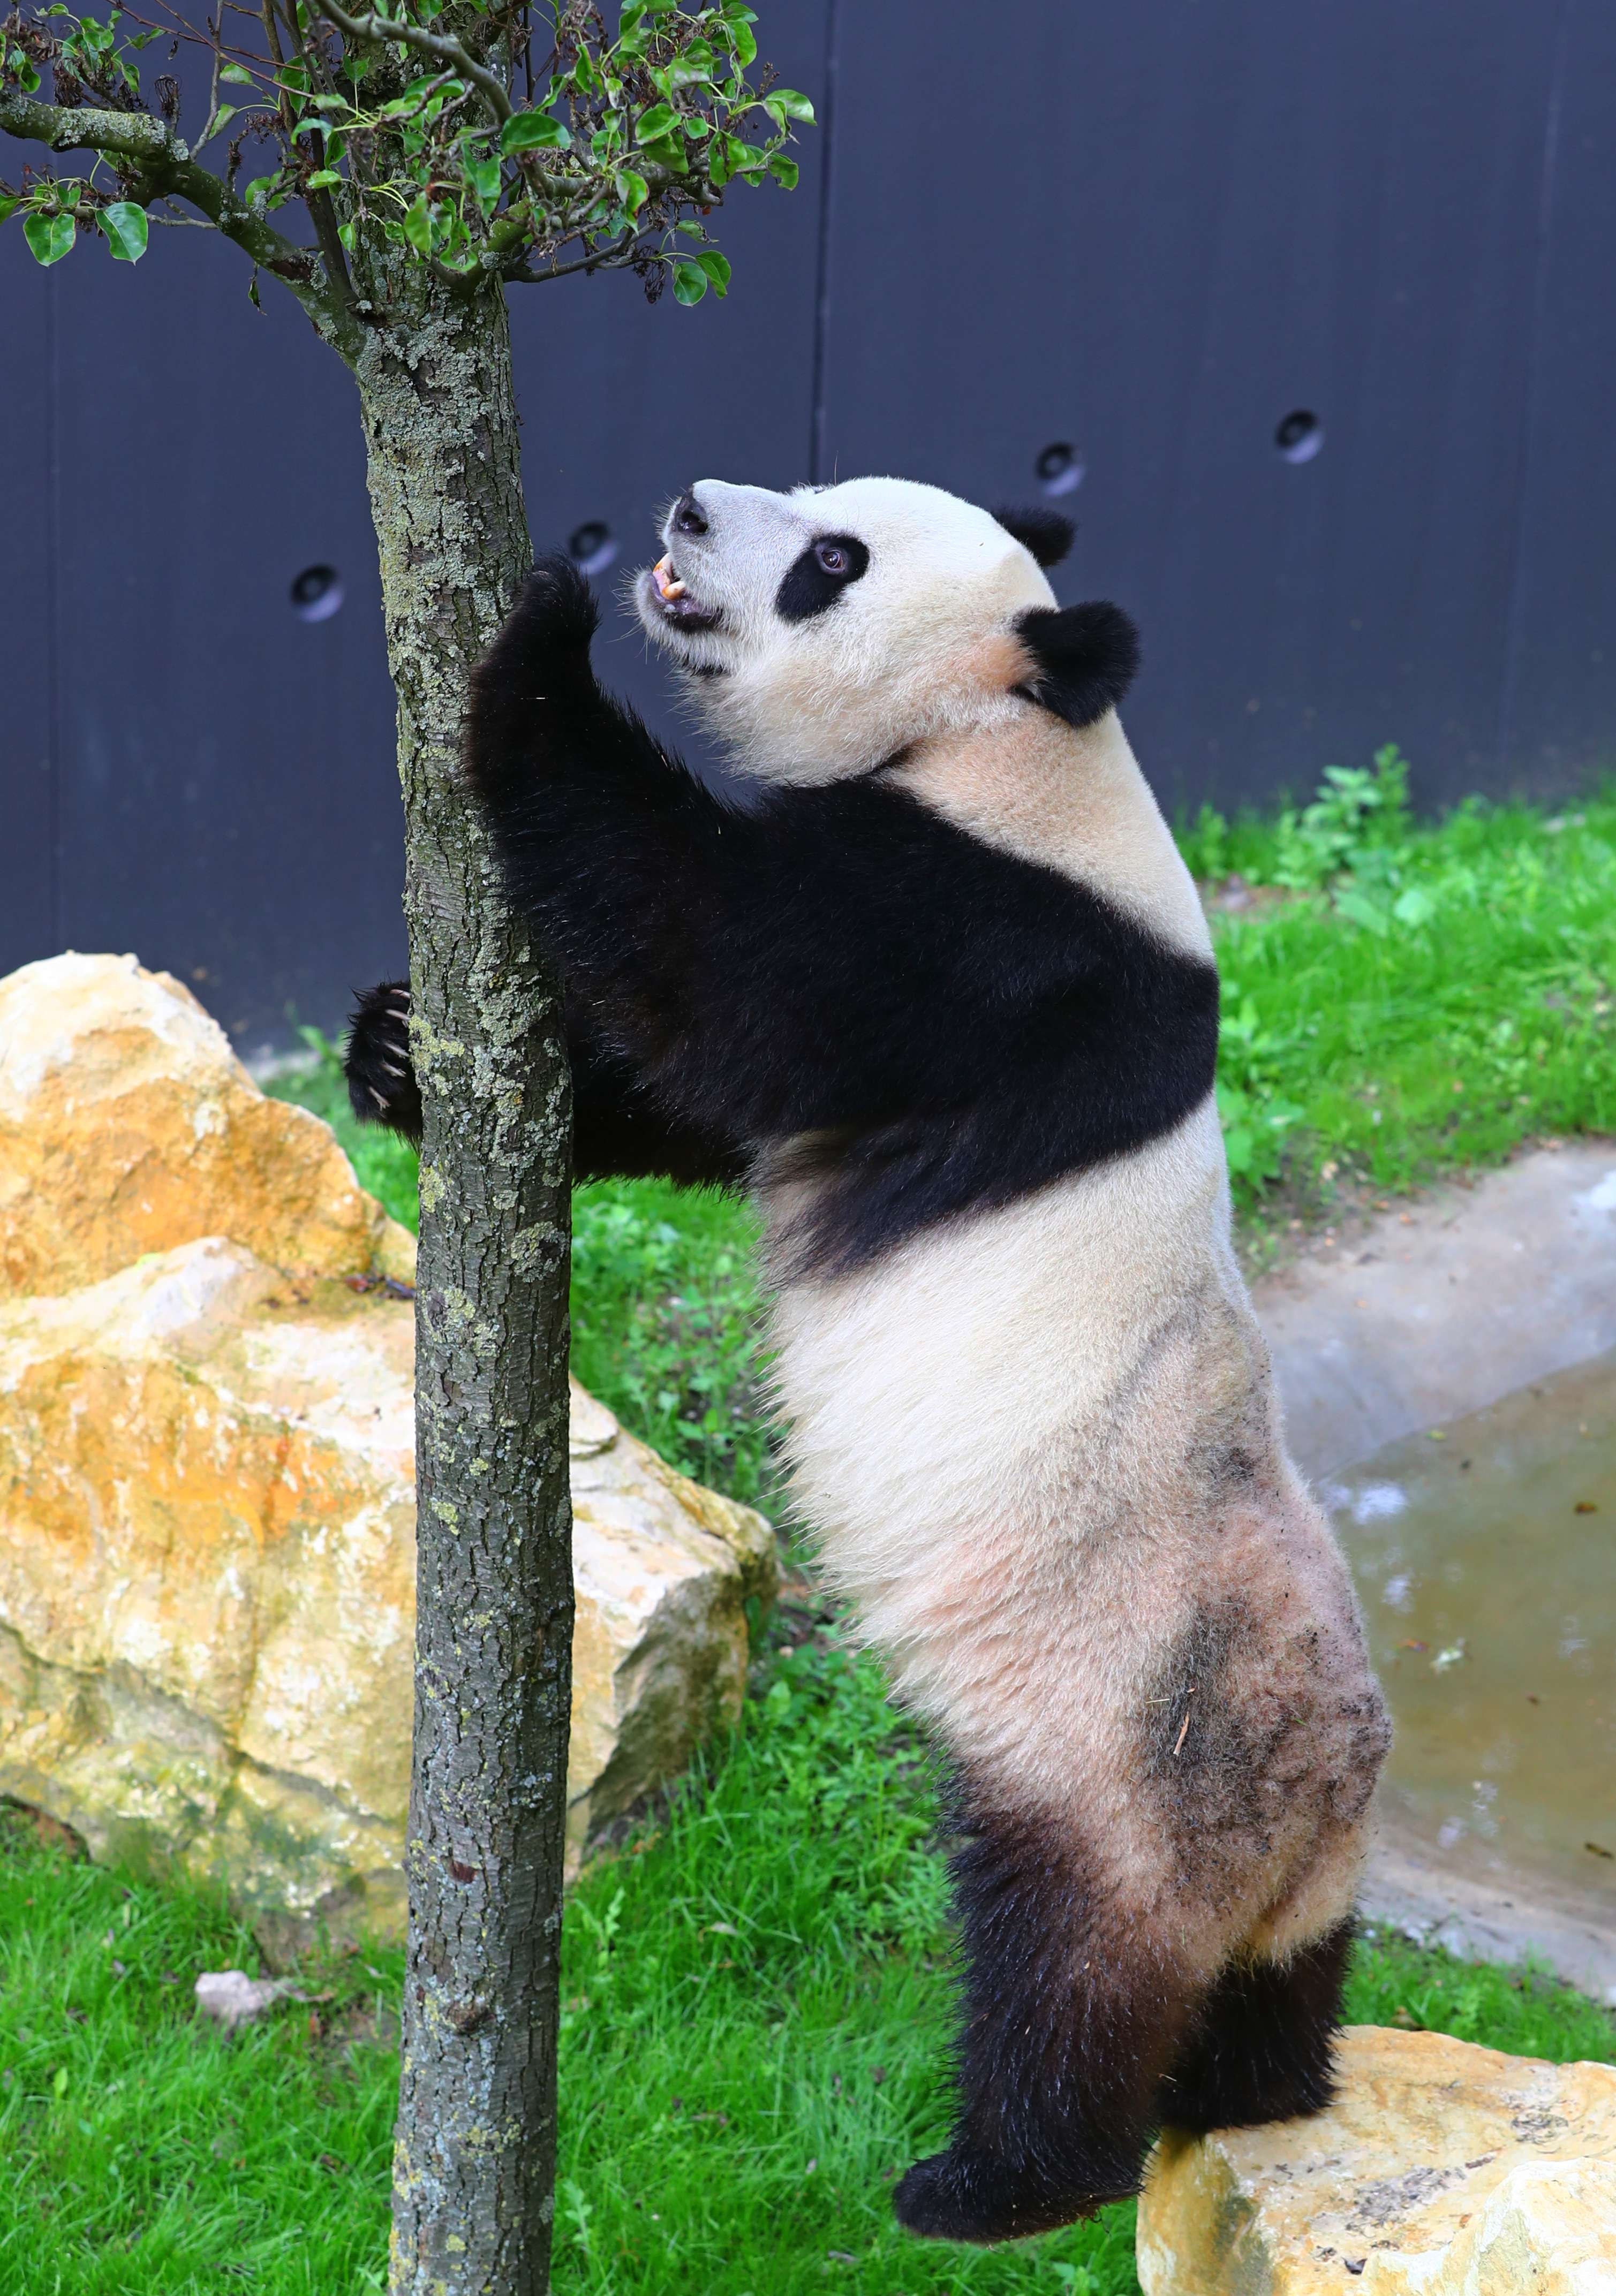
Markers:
1432,1310
1446,1304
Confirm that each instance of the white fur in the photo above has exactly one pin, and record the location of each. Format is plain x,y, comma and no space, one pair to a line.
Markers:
898,656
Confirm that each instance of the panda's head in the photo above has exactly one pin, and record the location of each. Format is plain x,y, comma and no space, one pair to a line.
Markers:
822,631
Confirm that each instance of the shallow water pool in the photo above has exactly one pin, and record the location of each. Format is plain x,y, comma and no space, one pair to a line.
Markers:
1485,1557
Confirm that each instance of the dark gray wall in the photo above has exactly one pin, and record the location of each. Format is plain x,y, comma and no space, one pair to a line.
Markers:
1150,232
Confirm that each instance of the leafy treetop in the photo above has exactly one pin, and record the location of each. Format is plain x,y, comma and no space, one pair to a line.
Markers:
490,140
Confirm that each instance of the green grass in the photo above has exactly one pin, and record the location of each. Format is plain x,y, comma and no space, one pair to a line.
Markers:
1445,995
754,2041
758,1992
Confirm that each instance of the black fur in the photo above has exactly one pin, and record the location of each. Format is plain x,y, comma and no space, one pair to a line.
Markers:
954,1026
808,587
1087,658
617,1131
1264,2042
1081,2038
1071,2024
382,1087
1045,532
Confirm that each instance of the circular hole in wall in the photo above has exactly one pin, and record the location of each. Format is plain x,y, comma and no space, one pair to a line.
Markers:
1059,468
1299,436
591,546
316,593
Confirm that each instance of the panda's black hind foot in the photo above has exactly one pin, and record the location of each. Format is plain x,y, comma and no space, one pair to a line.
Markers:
1264,2046
382,1087
970,2194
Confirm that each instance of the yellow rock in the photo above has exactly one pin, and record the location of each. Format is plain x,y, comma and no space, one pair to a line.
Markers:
1442,2169
206,1480
127,1125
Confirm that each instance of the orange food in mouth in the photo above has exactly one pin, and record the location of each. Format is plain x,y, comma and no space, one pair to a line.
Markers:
669,584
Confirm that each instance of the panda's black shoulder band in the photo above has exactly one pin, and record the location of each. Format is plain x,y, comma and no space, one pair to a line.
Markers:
1088,657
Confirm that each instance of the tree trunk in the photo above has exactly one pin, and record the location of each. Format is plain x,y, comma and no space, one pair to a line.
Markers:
475,2157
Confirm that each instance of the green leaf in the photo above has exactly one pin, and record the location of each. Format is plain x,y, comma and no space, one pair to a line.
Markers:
1416,906
661,120
322,180
9,204
125,226
1362,911
239,74
28,76
717,268
783,103
632,189
784,171
51,237
689,283
483,176
741,41
59,2081
418,227
533,131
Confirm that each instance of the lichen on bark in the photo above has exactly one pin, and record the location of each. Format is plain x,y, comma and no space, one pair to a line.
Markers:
476,2136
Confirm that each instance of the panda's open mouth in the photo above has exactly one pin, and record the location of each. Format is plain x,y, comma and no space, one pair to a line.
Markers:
673,601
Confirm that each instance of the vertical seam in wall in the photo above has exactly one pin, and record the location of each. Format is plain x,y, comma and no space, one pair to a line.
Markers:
822,280
1515,610
55,888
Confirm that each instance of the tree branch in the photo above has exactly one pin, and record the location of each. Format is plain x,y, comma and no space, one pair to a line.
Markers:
615,258
162,164
378,29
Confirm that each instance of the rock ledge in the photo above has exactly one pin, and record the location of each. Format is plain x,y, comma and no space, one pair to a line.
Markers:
1442,2169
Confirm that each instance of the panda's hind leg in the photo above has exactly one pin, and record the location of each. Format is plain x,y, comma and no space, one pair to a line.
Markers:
1263,2044
1074,2013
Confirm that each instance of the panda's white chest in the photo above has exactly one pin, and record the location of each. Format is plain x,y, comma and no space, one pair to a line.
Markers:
940,1390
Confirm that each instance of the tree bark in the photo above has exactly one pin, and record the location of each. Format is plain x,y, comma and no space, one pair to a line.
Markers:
474,2159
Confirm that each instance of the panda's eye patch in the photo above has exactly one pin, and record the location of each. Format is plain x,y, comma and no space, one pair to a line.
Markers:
817,578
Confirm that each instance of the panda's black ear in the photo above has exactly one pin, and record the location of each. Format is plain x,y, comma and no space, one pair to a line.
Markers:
1045,532
1086,658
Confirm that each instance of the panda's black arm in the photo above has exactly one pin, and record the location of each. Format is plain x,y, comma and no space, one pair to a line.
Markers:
618,1130
951,1023
623,860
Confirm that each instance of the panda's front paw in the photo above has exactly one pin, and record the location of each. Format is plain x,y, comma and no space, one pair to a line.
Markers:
550,626
382,1087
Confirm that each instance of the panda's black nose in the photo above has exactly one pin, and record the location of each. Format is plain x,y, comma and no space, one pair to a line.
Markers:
688,517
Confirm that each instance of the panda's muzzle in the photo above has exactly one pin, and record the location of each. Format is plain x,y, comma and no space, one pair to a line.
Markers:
673,601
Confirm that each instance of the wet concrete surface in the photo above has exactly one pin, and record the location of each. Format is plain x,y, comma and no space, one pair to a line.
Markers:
1445,1303
1488,1314
1483,1554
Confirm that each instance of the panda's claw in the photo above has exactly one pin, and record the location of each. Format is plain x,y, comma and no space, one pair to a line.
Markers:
382,1087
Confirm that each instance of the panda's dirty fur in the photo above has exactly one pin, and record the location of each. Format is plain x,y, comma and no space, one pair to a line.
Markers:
943,998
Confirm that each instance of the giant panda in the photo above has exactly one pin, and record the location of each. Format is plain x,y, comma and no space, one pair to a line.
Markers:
941,996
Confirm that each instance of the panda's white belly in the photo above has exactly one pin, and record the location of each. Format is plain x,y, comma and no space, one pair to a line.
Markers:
937,1391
